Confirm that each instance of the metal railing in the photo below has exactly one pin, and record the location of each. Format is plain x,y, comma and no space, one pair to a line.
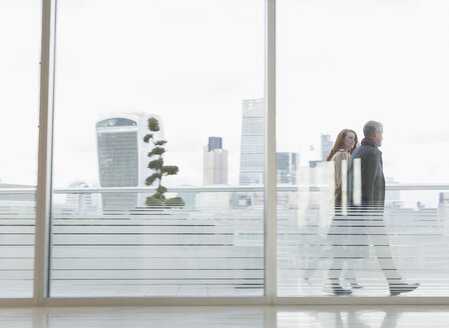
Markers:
219,188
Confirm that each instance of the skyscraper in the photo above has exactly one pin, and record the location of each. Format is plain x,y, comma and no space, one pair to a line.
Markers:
252,145
122,156
286,166
215,162
215,143
326,146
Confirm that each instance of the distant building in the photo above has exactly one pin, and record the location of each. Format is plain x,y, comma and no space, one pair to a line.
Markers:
392,197
27,196
326,146
214,143
443,199
443,204
18,200
286,167
82,201
122,156
252,145
215,162
313,164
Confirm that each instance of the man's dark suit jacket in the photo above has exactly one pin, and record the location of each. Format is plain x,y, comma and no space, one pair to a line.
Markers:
373,181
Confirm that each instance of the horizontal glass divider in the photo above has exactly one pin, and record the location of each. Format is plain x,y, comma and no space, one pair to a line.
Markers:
155,257
68,269
158,279
252,188
156,300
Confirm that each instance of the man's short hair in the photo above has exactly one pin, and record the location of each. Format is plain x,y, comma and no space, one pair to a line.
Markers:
371,127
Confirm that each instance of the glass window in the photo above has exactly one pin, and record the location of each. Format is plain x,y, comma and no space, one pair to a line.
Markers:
20,26
146,89
339,65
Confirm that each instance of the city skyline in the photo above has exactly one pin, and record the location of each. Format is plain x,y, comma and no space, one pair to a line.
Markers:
320,87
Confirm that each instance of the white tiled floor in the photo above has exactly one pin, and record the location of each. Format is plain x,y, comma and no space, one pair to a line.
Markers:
225,316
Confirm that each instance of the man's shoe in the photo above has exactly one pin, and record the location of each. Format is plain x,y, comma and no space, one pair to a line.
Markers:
401,287
355,285
335,288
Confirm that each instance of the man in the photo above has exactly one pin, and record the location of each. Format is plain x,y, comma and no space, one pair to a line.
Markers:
367,200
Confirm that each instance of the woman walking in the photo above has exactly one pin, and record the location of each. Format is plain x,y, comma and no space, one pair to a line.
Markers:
344,146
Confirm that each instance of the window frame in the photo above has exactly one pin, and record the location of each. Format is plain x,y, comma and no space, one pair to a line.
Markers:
43,198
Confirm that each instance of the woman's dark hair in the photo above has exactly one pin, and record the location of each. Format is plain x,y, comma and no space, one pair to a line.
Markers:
340,143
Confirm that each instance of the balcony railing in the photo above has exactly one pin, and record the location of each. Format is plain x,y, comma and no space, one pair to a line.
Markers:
218,188
213,246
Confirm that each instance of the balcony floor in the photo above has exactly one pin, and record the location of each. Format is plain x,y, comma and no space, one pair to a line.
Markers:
229,316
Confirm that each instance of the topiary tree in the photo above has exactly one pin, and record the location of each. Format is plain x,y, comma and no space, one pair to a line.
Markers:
159,169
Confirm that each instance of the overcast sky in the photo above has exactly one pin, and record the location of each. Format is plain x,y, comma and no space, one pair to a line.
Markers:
339,64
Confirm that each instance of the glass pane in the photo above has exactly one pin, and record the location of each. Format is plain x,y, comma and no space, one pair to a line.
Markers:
196,69
341,64
20,26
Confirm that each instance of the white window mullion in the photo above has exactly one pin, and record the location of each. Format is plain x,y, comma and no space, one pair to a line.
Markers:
270,152
43,193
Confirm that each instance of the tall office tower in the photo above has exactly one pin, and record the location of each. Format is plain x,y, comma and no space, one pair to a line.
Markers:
286,165
215,143
326,146
252,146
215,162
122,156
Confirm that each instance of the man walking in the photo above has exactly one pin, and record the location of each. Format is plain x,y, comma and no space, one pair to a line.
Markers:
367,200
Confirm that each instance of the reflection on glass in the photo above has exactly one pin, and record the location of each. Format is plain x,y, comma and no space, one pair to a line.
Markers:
341,319
335,76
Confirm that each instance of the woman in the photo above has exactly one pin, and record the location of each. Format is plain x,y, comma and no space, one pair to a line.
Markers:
344,146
